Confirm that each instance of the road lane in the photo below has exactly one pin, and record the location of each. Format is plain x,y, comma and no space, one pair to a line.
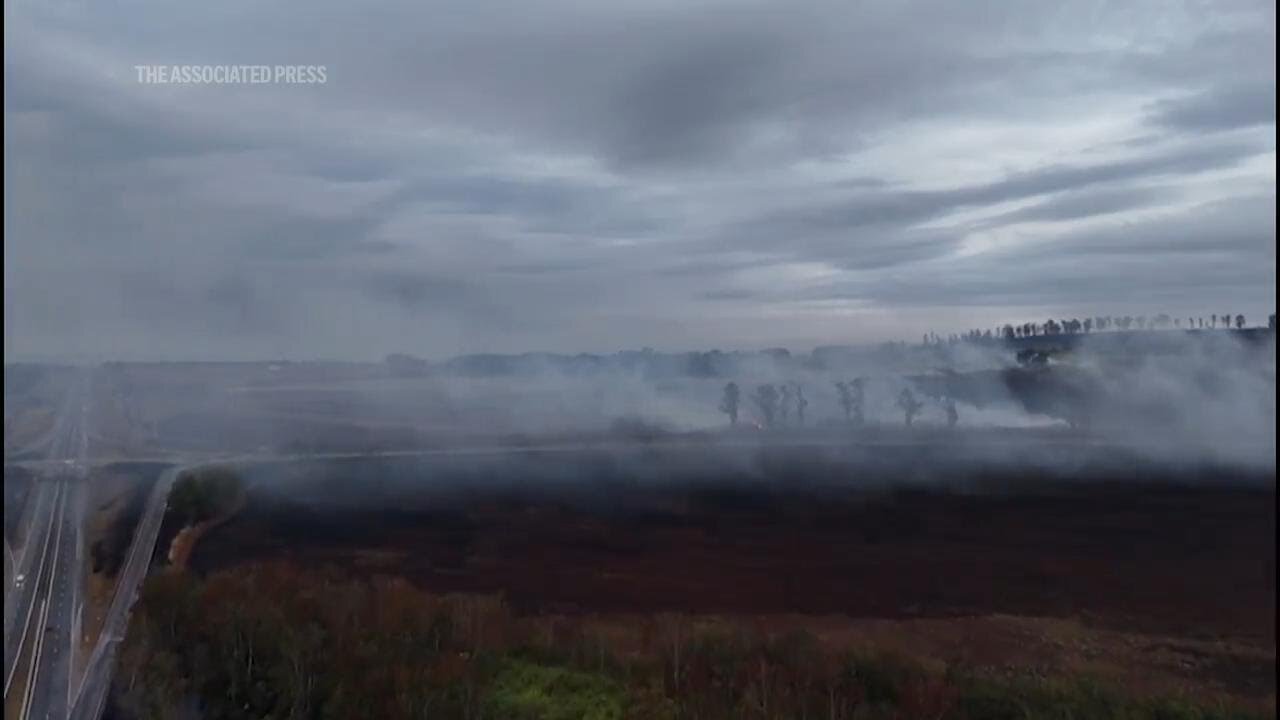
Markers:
49,634
50,681
41,623
28,596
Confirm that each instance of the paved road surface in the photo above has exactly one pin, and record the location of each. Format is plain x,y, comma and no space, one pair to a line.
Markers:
92,695
40,635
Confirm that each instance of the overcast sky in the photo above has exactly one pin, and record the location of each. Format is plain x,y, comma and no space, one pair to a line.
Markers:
569,176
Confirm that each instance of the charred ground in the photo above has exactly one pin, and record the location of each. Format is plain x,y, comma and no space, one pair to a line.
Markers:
787,532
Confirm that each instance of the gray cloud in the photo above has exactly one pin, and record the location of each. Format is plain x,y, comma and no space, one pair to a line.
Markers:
548,177
1220,108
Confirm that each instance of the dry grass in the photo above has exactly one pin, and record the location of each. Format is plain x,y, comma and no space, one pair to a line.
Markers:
184,543
26,425
1027,647
110,498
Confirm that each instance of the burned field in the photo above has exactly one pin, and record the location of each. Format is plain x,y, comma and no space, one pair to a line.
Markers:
772,531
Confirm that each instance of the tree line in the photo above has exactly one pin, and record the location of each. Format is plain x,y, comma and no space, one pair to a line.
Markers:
1075,326
778,404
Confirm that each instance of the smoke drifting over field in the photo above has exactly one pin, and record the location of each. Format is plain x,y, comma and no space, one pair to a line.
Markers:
1168,396
1173,396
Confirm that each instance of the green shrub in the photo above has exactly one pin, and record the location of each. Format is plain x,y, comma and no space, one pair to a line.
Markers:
526,691
203,494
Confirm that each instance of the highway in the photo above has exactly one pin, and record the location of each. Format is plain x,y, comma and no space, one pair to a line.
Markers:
91,697
43,620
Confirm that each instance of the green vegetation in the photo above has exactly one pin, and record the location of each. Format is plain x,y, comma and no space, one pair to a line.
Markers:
1078,698
269,641
527,690
204,494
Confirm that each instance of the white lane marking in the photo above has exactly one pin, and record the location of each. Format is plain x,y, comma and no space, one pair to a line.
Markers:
35,590
34,671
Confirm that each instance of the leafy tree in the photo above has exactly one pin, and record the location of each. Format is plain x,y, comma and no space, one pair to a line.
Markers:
199,496
1239,322
952,415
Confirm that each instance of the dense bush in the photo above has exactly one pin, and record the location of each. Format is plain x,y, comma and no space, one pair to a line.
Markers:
204,494
268,641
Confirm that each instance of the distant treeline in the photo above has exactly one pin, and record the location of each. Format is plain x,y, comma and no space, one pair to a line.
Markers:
718,364
1102,323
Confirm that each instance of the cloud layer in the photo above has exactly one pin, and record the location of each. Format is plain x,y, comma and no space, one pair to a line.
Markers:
536,176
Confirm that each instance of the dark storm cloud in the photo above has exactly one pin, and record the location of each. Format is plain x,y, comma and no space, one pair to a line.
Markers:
1201,250
1222,108
868,230
908,207
551,176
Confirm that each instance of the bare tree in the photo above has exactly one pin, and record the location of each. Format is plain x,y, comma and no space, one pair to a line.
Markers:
953,417
846,399
784,407
729,403
766,398
909,404
801,404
